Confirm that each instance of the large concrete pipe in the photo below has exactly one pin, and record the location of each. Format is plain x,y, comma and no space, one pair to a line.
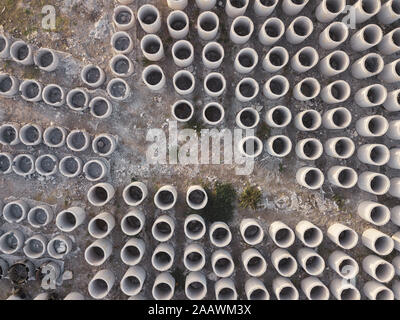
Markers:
70,219
344,265
373,212
132,252
343,236
132,223
101,225
163,257
311,261
194,257
284,263
377,268
377,241
222,263
194,227
101,284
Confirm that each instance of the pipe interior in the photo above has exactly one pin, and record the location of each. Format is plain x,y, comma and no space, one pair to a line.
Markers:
347,238
5,163
313,178
251,147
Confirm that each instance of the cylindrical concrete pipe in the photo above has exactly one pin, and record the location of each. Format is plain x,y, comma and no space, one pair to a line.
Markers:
152,47
195,286
100,194
24,165
132,252
213,113
121,66
207,25
276,87
328,10
343,236
278,117
104,144
153,77
53,95
101,284
375,183
377,241
390,42
101,225
121,42
31,90
212,55
344,290
336,92
366,9
392,103
293,7
96,169
251,231
182,110
163,257
334,63
310,177
344,265
394,161
15,211
225,290
133,280
183,53
395,215
184,82
118,89
379,269
396,289
391,72
93,76
241,30
78,140
46,59
309,149
246,90
284,289
21,53
337,118
299,30
309,234
254,263
70,166
166,197
222,263
177,4
371,96
11,241
9,134
163,287
264,8
255,290
59,246
314,289
220,234
40,216
308,120
373,212
234,8
389,12
123,18
374,154
394,190
339,147
247,118
206,4
194,257
30,134
194,227
377,291
310,261
396,240
284,263
279,146
43,296
70,219
333,35
9,85
275,59
196,197
149,18
271,31
246,60
78,99
5,46
343,177
304,59
5,163
396,265
163,228
54,136
282,235
98,252
372,126
134,193
367,66
366,38
306,89
178,24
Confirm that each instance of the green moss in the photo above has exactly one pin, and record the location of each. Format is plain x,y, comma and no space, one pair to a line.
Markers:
250,198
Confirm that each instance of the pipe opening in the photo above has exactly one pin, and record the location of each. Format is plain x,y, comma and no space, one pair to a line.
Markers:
196,288
165,197
178,21
343,147
251,147
220,235
45,58
286,265
346,177
280,146
23,164
277,86
287,293
162,290
222,265
346,238
378,154
371,34
13,211
70,165
311,236
396,37
131,283
208,21
183,52
163,228
67,220
339,118
383,271
215,83
194,227
339,90
277,57
5,163
246,59
38,217
58,247
268,3
283,236
378,214
313,178
98,287
118,89
154,77
92,74
213,53
95,255
46,164
152,45
255,264
337,32
30,134
349,294
248,118
54,136
3,43
123,16
242,28
337,61
131,253
197,197
78,140
334,6
372,64
21,51
247,89
370,6
163,259
122,42
318,292
94,170
213,113
308,88
121,65
238,3
311,149
280,116
301,27
53,94
396,7
258,294
273,28
347,267
314,264
34,246
103,145
100,107
309,120
30,91
99,227
19,273
382,244
6,84
194,258
384,294
9,242
148,14
183,111
378,184
99,194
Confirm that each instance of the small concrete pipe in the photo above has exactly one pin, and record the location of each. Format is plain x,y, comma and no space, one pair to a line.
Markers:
392,103
212,55
299,30
373,212
214,84
225,290
344,265
123,18
390,42
9,85
70,219
284,263
74,296
118,89
336,92
101,284
21,53
395,215
310,178
195,286
271,31
310,261
196,197
264,8
166,197
59,247
93,76
377,291
366,9
163,228
101,225
40,216
293,7
206,4
342,177
24,165
377,241
379,269
278,117
235,8
30,134
366,38
281,234
309,149
100,194
241,29
15,211
220,234
132,223
334,63
375,183
183,53
396,289
247,89
394,190
279,146
194,227
133,280
255,290
149,18
276,87
163,287
132,252
178,24
339,147
207,25
343,236
367,66
104,144
371,96
11,241
344,290
222,263
309,234
31,90
5,163
283,288
54,136
46,59
307,89
374,154
153,77
121,42
372,126
213,113
391,72
135,193
251,231
275,59
163,257
333,35
5,44
9,134
328,10
100,107
308,120
152,47
304,59
396,240
78,140
246,60
98,252
70,166
248,118
254,263
96,169
177,4
314,289
337,118
389,12
121,66
194,257
53,95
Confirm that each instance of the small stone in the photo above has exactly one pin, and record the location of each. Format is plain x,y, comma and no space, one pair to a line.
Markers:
67,275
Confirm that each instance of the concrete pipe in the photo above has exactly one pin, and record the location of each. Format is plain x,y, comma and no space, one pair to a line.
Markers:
304,59
310,261
377,291
367,66
207,25
251,231
30,134
121,66
40,216
121,42
343,177
340,147
225,290
5,44
11,241
372,126
21,53
214,84
132,252
100,107
123,18
334,63
246,60
373,212
275,59
307,89
375,183
394,161
395,215
377,241
299,30
163,228
163,287
366,9
46,59
309,149
96,169
396,240
59,246
70,166
337,118
336,92
344,265
54,136
284,263
194,257
328,10
278,117
247,89
98,252
309,234
100,194
366,38
24,165
293,7
9,85
389,12
15,211
178,24
379,269
333,35
104,144
234,8
241,30
281,234
212,55
182,110
195,227
392,103
101,225
133,280
53,95
153,77
213,113
5,163
78,140
101,284
276,87
70,219
44,296
255,290
310,178
393,131
343,290
395,187
371,96
220,234
118,89
248,118
396,264
183,53
391,72
264,8
222,263
396,289
93,76
177,4
390,42
343,236
284,289
149,18
253,262
31,90
135,193
206,4
271,31
279,146
374,154
163,257
250,147
314,289
195,286
166,197
152,47
196,197
308,120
